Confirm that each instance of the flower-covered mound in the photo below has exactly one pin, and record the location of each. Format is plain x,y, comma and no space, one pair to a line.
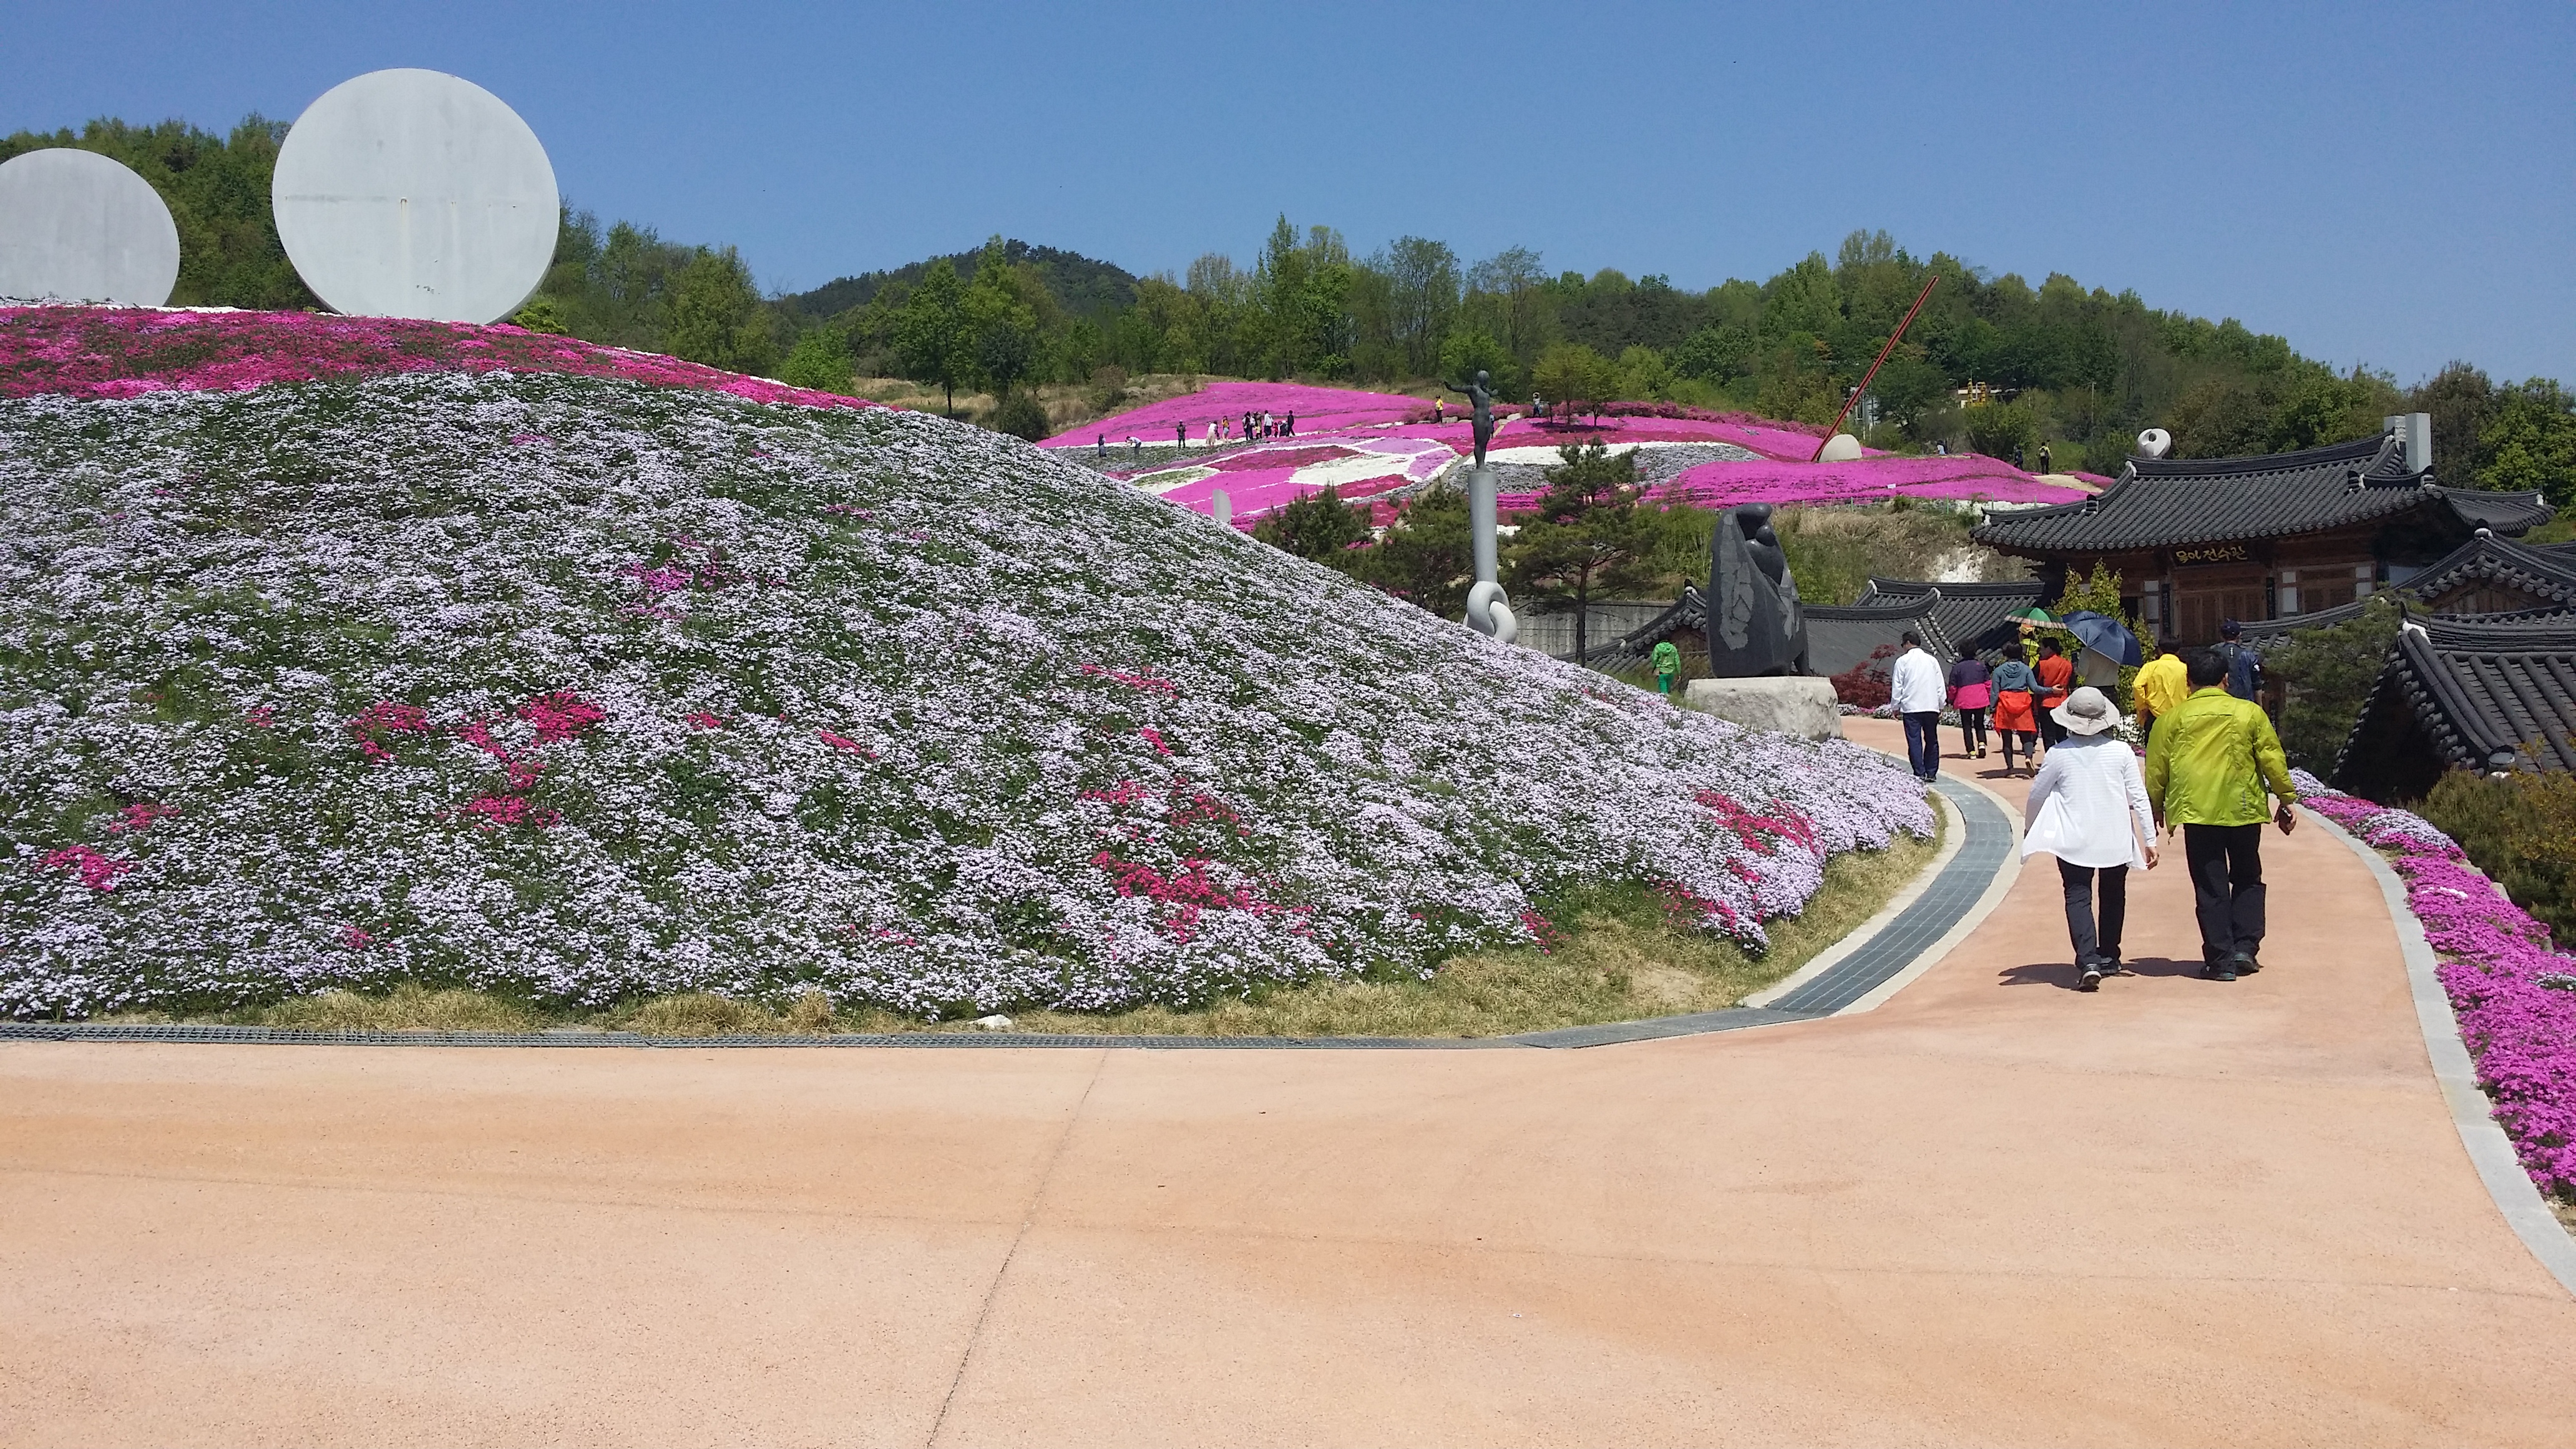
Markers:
1748,460
2513,991
588,689
98,352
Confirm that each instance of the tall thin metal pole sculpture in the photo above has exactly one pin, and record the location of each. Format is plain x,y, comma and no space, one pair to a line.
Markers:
1867,378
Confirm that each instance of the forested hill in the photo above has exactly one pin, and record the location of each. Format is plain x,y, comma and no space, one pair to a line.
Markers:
1081,286
1994,362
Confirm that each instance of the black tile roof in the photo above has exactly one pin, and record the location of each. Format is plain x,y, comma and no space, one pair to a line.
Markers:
2467,691
1840,636
2546,572
2259,632
2174,502
1974,618
1690,611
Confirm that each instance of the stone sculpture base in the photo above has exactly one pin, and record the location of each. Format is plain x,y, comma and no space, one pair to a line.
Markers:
1801,705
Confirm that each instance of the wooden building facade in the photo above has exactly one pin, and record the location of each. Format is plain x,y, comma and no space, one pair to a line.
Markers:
2200,540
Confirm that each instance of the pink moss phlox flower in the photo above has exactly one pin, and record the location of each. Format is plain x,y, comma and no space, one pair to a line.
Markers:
668,579
1190,892
1760,833
498,810
97,871
2501,972
122,352
381,722
357,938
260,717
139,816
1154,737
1125,792
843,742
703,720
1543,932
1149,682
562,715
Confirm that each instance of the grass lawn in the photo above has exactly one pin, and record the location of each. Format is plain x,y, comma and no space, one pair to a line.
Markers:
1618,959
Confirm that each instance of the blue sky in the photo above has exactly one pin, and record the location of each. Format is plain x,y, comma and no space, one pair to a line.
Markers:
2395,186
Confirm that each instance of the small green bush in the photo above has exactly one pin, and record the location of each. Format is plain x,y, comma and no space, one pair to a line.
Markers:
1020,414
2520,830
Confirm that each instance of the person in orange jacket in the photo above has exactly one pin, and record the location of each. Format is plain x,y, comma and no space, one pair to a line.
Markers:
2056,677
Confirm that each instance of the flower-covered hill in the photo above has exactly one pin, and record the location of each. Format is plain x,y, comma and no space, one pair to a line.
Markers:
586,688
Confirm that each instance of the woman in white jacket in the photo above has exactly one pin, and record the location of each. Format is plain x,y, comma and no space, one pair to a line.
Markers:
2088,807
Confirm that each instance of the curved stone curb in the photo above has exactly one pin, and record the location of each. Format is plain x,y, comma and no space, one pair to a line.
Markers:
1878,957
2490,1151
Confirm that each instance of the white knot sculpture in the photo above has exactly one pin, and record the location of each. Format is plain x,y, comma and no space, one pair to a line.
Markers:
1489,611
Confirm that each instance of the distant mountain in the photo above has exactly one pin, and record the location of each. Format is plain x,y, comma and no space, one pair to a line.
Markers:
1083,286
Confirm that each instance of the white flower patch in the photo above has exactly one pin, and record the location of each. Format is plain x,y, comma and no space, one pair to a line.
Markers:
346,684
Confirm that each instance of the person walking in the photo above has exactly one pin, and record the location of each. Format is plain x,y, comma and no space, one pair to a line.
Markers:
1181,435
1668,662
1289,429
1971,691
2244,666
1914,687
2163,684
2088,807
2016,699
2208,766
2056,675
2043,459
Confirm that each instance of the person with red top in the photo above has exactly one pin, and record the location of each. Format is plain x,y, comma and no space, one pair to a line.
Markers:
2056,679
1970,692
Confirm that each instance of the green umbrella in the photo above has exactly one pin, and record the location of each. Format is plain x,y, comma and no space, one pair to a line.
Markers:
2033,616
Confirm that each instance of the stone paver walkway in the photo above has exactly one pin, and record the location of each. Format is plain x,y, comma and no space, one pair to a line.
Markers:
1993,1210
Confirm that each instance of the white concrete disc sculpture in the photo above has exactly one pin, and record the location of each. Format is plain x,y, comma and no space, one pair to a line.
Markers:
2154,443
411,193
76,226
1840,448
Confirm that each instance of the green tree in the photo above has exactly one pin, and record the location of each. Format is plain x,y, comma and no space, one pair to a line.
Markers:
2531,441
820,360
1588,537
933,341
1572,373
716,315
217,189
1020,414
1319,526
2325,675
1427,554
1998,428
1470,351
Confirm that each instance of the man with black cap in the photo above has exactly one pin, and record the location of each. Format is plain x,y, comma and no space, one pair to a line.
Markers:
2244,666
2209,764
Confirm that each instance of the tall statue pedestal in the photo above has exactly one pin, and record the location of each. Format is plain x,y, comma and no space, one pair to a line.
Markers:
1790,704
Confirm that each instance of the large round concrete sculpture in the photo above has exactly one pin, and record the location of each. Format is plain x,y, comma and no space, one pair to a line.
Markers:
411,193
1840,448
2154,443
78,227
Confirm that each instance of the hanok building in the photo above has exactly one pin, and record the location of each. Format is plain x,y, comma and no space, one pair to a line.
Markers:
2198,540
2478,692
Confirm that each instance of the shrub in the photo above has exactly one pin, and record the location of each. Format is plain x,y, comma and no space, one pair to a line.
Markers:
2325,675
1865,685
1020,414
2520,830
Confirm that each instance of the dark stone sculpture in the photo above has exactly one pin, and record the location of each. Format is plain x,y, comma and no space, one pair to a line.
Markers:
1755,625
1480,395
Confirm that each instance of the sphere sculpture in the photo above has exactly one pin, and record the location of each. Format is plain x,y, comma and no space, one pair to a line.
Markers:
410,193
76,226
1840,448
2154,443
1489,612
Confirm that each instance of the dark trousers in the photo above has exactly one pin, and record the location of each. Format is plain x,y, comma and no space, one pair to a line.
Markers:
1972,731
1923,742
2227,887
2092,944
2051,733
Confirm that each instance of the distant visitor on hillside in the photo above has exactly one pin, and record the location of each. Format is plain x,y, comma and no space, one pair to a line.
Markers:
1668,662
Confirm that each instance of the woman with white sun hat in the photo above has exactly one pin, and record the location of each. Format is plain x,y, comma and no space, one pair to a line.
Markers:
2088,807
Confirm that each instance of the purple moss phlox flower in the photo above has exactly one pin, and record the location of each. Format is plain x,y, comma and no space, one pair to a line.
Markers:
2498,961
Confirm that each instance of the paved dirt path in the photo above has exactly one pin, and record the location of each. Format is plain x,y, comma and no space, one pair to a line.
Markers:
1993,1211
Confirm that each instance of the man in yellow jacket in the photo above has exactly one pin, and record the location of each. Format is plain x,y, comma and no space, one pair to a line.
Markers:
2209,763
2161,688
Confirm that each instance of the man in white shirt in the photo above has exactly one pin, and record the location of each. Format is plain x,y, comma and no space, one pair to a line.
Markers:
1914,687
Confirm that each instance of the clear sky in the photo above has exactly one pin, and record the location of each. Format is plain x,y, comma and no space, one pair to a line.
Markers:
2394,186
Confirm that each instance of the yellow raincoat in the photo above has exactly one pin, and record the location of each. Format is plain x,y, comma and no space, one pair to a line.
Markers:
2210,761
